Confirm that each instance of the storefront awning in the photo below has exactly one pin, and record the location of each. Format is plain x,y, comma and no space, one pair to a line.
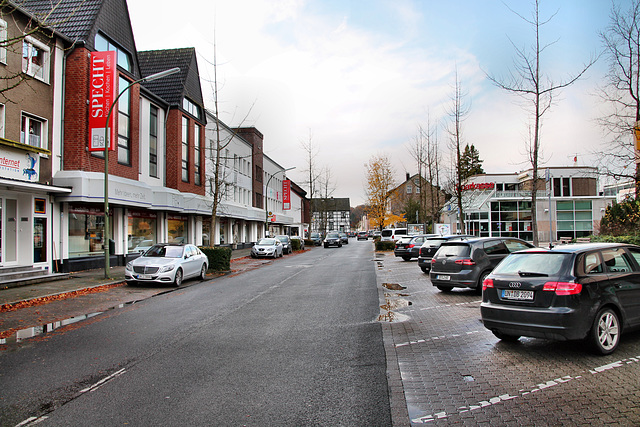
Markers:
12,184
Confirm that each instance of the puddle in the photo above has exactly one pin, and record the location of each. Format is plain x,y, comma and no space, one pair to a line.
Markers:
392,317
35,331
395,304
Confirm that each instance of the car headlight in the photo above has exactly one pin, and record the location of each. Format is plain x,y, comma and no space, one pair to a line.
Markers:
129,266
166,268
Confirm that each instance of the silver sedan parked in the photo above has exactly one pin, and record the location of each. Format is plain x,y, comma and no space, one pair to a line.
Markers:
267,247
167,263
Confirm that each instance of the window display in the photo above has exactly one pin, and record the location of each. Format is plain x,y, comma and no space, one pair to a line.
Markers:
141,231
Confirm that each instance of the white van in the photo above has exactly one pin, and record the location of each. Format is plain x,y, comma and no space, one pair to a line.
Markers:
393,234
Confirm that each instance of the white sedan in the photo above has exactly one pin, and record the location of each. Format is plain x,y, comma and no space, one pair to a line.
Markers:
167,263
267,247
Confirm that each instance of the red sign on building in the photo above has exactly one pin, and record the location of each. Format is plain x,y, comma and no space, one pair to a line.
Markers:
286,194
102,92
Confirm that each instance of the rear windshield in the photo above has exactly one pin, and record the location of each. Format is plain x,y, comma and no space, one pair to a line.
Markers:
535,263
387,233
401,231
455,250
435,242
406,239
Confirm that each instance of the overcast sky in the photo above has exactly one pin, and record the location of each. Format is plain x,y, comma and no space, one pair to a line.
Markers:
361,76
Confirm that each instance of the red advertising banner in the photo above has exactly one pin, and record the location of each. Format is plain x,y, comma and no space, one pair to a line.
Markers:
102,92
286,194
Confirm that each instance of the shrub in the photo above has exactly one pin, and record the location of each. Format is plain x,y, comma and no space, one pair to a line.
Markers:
295,244
308,243
219,258
385,246
633,239
621,219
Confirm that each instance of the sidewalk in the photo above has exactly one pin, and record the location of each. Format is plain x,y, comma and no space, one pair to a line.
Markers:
78,281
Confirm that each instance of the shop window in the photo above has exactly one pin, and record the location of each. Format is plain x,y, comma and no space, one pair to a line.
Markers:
141,231
35,59
86,230
177,229
33,131
124,122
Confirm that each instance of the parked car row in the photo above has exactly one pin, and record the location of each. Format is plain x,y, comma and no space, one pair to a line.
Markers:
586,291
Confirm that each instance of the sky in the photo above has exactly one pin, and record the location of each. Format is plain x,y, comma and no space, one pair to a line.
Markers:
360,77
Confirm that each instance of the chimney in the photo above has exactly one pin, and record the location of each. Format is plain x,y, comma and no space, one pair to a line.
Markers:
408,176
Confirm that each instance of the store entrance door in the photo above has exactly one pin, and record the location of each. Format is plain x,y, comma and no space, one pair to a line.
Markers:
8,231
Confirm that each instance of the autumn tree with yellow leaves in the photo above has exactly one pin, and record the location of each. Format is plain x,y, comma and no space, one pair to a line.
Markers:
379,184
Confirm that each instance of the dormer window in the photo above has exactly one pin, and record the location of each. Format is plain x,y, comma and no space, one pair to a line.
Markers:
191,108
104,45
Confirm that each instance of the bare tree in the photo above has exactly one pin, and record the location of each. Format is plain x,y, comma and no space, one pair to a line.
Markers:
311,170
621,92
528,81
432,165
22,23
325,189
457,112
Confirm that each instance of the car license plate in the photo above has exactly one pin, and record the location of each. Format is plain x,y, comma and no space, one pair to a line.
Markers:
443,277
517,295
144,277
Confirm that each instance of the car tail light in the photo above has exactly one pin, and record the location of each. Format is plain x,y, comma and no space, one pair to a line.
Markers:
411,245
466,261
563,288
433,260
488,283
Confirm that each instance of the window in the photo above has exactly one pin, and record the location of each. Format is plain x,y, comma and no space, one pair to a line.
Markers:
35,59
575,218
1,120
33,131
185,149
124,113
191,108
104,45
153,142
3,38
409,189
196,157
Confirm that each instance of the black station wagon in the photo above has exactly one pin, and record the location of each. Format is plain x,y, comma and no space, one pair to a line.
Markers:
571,292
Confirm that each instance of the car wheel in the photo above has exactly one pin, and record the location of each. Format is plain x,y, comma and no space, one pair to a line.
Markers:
481,280
326,246
339,245
203,272
444,288
605,332
178,279
506,337
406,258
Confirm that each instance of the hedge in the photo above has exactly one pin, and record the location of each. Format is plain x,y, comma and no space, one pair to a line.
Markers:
295,244
219,257
386,245
631,239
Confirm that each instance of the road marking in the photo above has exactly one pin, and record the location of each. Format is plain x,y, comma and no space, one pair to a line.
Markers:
103,381
441,337
536,388
31,421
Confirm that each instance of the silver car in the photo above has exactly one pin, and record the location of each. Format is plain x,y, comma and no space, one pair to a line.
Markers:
167,263
267,247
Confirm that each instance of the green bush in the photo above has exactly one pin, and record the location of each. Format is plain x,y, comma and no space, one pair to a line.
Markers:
385,246
295,244
308,243
621,219
219,258
633,240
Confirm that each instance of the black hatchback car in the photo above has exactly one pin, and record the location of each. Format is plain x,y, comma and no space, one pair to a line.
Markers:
431,246
571,292
409,247
466,263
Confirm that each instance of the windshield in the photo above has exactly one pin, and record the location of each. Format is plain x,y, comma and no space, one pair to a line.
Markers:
315,235
267,242
532,263
333,236
434,242
164,251
282,238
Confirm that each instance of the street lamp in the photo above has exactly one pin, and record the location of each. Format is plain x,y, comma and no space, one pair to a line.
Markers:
107,237
266,190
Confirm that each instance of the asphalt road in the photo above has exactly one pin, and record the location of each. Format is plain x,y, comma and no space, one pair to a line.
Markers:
294,342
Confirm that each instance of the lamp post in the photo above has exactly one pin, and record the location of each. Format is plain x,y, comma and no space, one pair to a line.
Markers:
106,235
266,210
